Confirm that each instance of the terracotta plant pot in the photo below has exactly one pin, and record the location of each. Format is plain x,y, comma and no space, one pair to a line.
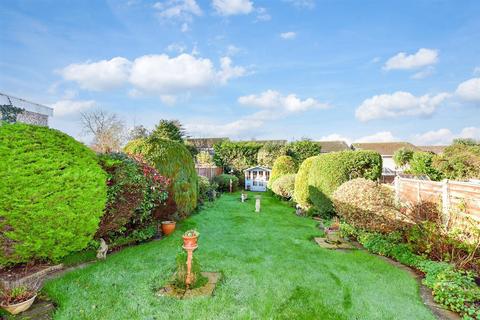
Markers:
190,242
19,307
168,227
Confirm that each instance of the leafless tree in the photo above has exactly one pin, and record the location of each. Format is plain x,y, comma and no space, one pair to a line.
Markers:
108,130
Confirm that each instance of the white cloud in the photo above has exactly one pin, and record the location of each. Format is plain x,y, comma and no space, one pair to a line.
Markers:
232,7
244,125
398,104
275,106
445,136
263,15
383,136
98,76
232,50
307,4
476,71
64,108
288,35
228,71
469,90
154,74
271,99
427,72
178,9
160,74
176,47
335,137
423,57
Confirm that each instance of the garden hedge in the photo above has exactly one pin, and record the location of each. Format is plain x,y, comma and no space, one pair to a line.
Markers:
52,194
282,166
223,181
284,186
328,171
300,194
135,192
367,205
174,161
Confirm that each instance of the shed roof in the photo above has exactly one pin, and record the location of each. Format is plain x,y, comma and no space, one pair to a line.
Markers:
6,99
333,146
384,148
258,167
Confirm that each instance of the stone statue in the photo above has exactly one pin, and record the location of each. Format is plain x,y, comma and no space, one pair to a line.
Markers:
102,250
243,197
257,204
298,210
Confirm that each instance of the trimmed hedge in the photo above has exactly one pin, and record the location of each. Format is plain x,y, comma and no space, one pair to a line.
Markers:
223,181
282,166
300,193
328,171
52,194
173,161
367,205
284,186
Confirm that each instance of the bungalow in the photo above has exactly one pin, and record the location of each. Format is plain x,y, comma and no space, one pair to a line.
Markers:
29,112
256,178
386,150
333,146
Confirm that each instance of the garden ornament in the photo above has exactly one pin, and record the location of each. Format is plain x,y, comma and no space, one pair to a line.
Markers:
102,250
257,203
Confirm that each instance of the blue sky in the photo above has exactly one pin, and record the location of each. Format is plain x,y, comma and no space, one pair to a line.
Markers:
354,70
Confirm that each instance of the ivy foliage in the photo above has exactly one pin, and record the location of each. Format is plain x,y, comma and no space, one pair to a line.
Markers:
282,166
52,194
422,163
459,161
303,149
269,152
9,113
236,156
328,171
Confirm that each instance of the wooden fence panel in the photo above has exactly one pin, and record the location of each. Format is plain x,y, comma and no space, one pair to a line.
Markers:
453,196
208,172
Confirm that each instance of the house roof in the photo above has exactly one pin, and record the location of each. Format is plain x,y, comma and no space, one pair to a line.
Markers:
434,149
205,142
384,148
6,99
333,146
258,167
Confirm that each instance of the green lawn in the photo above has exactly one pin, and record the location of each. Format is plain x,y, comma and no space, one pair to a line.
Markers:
272,270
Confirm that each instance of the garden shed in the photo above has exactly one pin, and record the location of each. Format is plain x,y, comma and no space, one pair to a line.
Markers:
256,178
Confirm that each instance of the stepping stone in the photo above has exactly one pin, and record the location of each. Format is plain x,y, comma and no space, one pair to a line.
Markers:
205,291
322,242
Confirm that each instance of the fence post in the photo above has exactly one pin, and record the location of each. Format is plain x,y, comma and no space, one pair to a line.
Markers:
445,202
419,196
397,188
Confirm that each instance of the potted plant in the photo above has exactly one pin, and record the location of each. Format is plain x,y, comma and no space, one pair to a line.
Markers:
333,232
168,227
17,299
190,238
